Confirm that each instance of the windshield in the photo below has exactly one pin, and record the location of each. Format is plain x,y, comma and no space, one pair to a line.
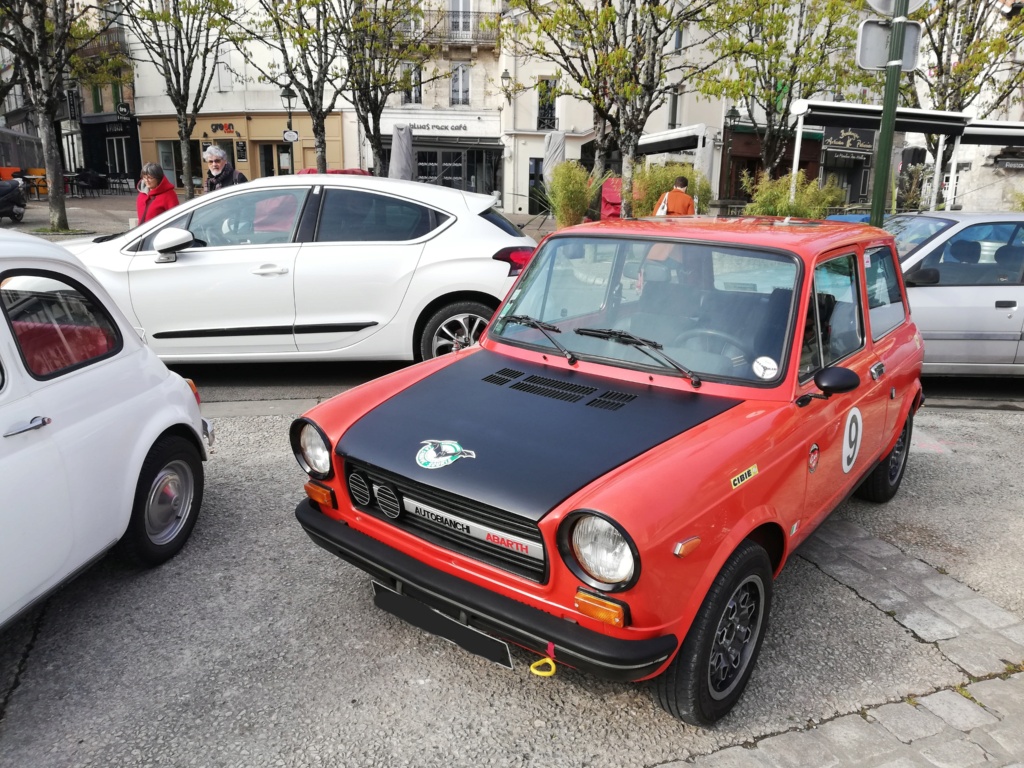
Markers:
713,310
911,232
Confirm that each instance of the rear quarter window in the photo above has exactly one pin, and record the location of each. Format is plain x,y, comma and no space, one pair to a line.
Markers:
501,223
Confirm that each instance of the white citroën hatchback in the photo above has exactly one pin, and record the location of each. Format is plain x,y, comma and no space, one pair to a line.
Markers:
313,267
100,444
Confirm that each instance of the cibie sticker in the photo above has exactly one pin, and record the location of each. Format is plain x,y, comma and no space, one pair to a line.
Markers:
440,453
765,368
743,476
851,438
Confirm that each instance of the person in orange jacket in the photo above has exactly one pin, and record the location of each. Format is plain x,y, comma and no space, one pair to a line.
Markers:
676,202
156,193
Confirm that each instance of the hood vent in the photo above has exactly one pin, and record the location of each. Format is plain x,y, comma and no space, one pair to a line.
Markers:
611,401
558,390
503,377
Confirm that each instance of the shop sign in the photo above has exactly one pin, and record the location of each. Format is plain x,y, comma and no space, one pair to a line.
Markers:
241,152
124,111
856,139
222,127
1010,163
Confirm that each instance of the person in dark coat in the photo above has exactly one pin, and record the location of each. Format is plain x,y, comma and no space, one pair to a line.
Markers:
156,193
219,172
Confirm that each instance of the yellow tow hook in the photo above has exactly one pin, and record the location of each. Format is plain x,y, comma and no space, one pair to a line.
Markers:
545,667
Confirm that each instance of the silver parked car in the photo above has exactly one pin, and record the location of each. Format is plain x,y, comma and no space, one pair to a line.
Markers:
963,274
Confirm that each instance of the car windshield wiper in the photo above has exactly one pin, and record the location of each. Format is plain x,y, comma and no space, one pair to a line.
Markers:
547,329
644,345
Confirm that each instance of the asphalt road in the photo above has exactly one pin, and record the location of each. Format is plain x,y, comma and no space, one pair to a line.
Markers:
254,647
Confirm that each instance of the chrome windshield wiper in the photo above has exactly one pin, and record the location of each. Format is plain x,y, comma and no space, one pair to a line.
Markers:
644,345
547,329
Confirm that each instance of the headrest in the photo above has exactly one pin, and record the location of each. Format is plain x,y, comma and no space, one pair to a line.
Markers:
966,251
1009,256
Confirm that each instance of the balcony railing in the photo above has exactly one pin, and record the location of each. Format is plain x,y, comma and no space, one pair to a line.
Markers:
109,42
469,27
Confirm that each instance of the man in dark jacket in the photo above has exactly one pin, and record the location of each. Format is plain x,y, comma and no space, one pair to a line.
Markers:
220,173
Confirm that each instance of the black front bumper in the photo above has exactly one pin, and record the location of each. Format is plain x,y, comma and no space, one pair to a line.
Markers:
495,614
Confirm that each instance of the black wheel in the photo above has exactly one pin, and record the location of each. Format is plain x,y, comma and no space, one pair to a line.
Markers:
167,502
714,663
17,217
455,325
717,342
885,479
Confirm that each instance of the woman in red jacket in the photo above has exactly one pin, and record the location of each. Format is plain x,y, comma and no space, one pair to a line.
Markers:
157,193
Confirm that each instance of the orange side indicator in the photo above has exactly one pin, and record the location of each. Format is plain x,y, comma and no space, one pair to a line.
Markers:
321,495
600,609
683,548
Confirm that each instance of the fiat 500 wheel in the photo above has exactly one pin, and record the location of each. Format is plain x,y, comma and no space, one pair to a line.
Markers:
167,502
452,327
714,664
885,479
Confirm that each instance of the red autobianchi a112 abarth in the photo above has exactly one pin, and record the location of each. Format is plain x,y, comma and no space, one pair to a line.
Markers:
657,416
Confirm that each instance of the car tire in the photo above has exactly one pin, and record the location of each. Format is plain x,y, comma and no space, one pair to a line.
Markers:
455,325
168,497
885,479
17,217
714,663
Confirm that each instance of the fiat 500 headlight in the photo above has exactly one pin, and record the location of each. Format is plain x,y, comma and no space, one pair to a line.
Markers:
599,551
311,448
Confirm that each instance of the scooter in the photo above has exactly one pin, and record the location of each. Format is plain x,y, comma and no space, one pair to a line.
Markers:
12,199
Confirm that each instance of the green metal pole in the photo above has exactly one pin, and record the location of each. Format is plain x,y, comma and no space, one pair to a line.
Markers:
893,70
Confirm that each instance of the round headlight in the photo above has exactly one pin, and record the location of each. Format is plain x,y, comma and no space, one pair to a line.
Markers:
314,454
602,551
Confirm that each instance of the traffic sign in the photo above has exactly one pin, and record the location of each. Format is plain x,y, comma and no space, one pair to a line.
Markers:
888,7
291,136
873,44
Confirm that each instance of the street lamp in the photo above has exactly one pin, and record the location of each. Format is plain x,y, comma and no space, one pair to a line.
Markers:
731,118
506,85
288,97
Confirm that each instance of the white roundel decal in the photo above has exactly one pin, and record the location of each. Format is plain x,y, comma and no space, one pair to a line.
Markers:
851,438
765,368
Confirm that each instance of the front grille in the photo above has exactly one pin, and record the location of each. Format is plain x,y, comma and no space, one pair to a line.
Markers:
391,492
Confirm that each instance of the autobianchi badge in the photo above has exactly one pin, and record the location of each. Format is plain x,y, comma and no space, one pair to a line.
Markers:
440,453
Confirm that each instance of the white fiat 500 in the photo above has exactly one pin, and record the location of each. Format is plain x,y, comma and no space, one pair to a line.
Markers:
313,267
100,444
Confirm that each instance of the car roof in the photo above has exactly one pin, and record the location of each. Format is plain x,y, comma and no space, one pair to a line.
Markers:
965,215
803,236
18,245
416,190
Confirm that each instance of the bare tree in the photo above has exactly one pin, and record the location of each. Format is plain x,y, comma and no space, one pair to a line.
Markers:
44,36
967,60
386,44
772,52
182,40
619,56
306,44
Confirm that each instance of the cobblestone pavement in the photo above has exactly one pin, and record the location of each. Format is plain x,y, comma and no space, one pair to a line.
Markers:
977,723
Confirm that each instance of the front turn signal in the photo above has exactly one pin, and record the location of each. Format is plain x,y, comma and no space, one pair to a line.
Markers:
607,611
322,495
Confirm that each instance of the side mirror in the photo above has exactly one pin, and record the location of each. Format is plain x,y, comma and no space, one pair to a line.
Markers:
831,381
836,380
169,240
923,276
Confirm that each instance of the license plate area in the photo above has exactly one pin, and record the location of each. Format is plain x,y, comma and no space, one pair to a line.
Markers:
426,618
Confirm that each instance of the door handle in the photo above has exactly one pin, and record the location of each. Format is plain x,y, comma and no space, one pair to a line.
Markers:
876,371
37,422
1006,304
270,269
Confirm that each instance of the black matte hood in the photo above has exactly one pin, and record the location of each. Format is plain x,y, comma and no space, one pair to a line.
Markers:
536,434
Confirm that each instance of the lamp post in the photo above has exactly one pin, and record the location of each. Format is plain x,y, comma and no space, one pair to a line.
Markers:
731,117
288,97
